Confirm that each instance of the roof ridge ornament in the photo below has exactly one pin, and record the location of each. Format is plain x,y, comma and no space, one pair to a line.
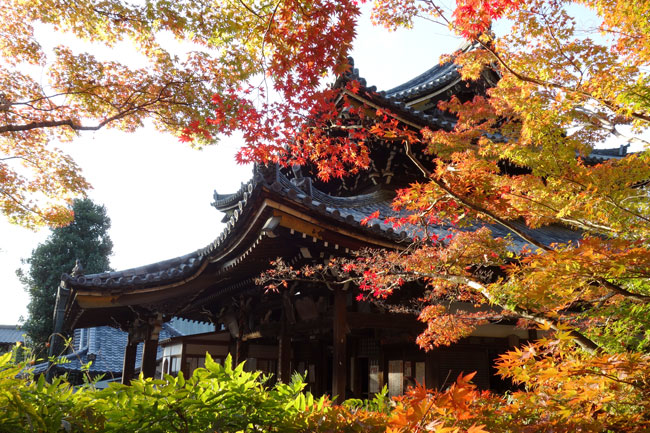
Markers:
269,173
78,269
304,184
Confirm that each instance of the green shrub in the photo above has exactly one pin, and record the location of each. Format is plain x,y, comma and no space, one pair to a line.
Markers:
217,398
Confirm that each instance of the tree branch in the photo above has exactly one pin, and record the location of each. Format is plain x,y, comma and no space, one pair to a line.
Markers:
602,281
77,126
471,205
48,124
583,341
525,78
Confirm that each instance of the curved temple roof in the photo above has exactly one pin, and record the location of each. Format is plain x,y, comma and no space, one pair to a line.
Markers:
434,79
428,84
346,211
397,101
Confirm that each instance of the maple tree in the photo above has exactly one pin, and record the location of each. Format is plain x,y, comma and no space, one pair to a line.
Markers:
562,91
49,96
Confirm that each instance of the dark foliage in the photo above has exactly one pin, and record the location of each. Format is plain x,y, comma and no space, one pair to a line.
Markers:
85,238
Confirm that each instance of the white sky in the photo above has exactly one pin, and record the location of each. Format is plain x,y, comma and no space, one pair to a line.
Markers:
157,191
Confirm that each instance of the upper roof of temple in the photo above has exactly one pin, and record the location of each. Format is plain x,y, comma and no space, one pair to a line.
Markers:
439,77
431,80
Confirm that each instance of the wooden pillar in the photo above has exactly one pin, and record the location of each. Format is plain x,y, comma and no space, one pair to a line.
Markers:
431,369
241,351
284,355
150,349
284,339
322,371
355,367
128,367
56,340
320,367
149,357
339,373
382,375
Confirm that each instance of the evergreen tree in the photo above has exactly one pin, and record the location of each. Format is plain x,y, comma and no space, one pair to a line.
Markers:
85,238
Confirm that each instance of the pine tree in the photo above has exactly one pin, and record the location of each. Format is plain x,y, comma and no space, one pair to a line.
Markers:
86,238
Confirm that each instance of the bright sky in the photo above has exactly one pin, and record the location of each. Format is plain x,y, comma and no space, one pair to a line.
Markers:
158,191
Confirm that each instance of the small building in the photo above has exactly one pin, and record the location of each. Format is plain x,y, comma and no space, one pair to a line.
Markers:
98,352
10,335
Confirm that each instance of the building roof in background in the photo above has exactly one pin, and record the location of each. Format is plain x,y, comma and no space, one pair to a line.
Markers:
600,155
11,334
108,344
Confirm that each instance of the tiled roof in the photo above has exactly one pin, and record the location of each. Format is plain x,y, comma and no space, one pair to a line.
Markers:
600,155
226,201
155,273
439,76
109,344
345,211
11,334
351,210
188,327
108,351
435,78
396,104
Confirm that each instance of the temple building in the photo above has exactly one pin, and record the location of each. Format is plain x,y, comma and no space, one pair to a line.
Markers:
347,348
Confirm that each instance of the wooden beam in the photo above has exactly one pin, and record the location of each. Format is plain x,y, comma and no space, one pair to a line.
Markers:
199,342
292,218
339,373
406,322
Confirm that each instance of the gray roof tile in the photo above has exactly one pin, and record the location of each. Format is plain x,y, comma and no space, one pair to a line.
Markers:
110,344
11,334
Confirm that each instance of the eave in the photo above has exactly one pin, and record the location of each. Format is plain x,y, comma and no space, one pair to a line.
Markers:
243,248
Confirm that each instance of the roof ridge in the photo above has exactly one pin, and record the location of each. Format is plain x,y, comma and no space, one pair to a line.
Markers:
435,77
